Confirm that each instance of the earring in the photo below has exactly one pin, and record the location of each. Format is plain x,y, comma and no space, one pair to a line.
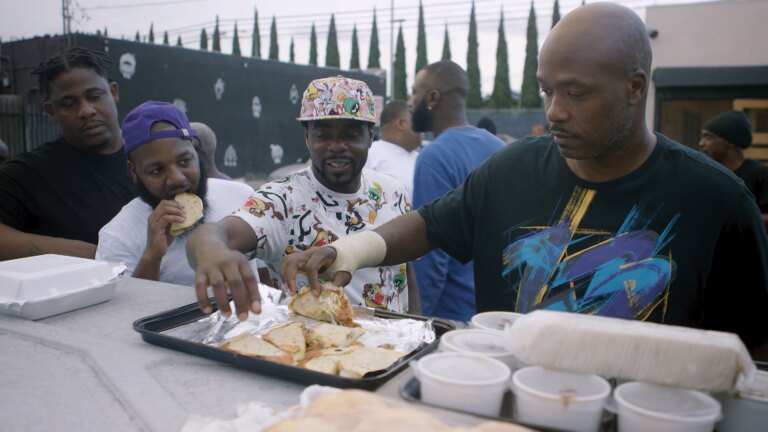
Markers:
429,108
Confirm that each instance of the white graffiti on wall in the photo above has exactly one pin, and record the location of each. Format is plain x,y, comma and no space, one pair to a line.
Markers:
127,65
256,107
294,94
181,104
218,88
277,153
230,156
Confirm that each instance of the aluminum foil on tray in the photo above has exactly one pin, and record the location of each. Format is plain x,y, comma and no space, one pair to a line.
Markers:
403,335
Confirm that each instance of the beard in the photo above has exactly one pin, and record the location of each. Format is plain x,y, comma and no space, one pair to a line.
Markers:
421,118
202,190
334,180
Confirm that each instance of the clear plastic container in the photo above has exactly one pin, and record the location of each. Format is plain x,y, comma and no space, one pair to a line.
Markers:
495,320
746,410
465,382
648,407
560,400
486,343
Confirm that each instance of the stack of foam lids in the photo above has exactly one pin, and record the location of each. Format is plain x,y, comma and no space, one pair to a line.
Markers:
632,350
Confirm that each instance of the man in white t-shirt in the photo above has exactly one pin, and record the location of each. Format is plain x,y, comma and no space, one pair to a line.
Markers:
396,152
334,197
163,163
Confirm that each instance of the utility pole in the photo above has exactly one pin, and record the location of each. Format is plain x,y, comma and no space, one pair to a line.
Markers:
391,49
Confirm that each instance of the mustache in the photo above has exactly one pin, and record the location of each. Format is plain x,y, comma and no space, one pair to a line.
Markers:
90,124
336,158
555,129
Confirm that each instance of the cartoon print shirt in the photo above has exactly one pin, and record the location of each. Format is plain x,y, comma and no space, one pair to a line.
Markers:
678,241
297,213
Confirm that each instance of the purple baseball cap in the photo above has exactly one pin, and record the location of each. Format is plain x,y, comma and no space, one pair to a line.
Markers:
137,125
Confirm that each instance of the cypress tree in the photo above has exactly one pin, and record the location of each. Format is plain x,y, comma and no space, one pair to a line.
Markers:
446,45
178,42
373,51
332,46
105,32
354,61
313,46
421,42
502,93
292,55
165,38
152,33
529,94
138,37
556,13
203,40
273,50
236,42
401,91
474,97
256,38
216,37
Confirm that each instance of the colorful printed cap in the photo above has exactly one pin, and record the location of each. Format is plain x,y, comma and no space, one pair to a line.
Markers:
337,98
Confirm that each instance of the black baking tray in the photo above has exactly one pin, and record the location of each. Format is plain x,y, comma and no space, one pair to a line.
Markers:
151,327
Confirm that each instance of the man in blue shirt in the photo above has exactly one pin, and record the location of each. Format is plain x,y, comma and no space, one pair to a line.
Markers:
438,106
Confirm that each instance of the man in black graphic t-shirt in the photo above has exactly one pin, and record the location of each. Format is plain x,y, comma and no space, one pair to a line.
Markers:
601,216
55,198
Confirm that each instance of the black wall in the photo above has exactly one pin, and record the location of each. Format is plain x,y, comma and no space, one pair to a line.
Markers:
166,73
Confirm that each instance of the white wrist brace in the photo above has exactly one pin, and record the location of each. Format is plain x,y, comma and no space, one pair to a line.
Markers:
361,250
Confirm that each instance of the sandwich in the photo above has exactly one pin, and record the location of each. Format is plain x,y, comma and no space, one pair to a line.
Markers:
332,305
290,338
254,346
193,209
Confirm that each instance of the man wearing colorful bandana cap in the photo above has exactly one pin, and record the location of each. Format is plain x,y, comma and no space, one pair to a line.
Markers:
334,197
724,139
163,163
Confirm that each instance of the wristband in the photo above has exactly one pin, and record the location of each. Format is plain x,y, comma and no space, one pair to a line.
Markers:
361,250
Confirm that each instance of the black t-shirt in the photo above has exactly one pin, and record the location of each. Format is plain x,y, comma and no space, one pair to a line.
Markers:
678,241
755,176
60,191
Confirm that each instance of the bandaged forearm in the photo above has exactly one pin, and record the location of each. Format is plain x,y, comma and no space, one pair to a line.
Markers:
366,249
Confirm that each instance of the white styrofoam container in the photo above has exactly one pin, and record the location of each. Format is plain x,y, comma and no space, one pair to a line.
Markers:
46,285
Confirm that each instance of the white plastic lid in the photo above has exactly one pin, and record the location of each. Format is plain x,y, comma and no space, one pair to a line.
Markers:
484,342
558,384
667,402
465,369
496,320
50,275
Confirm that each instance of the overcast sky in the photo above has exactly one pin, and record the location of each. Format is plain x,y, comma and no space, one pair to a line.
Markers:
21,19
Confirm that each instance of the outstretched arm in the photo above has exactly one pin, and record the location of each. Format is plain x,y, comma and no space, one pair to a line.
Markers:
215,252
400,240
18,244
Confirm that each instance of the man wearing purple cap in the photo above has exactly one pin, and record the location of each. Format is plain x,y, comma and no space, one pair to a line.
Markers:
163,164
334,197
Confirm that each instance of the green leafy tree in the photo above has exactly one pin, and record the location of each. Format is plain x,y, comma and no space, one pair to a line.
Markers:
165,38
529,94
313,46
256,37
556,13
421,42
292,55
236,42
203,40
332,46
273,50
216,37
502,93
178,42
151,36
138,37
446,45
474,97
373,52
354,60
401,90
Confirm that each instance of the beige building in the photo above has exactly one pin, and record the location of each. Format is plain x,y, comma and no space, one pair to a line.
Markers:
709,57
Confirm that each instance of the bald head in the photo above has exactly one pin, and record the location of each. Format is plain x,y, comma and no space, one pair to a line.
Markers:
609,34
207,138
447,77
